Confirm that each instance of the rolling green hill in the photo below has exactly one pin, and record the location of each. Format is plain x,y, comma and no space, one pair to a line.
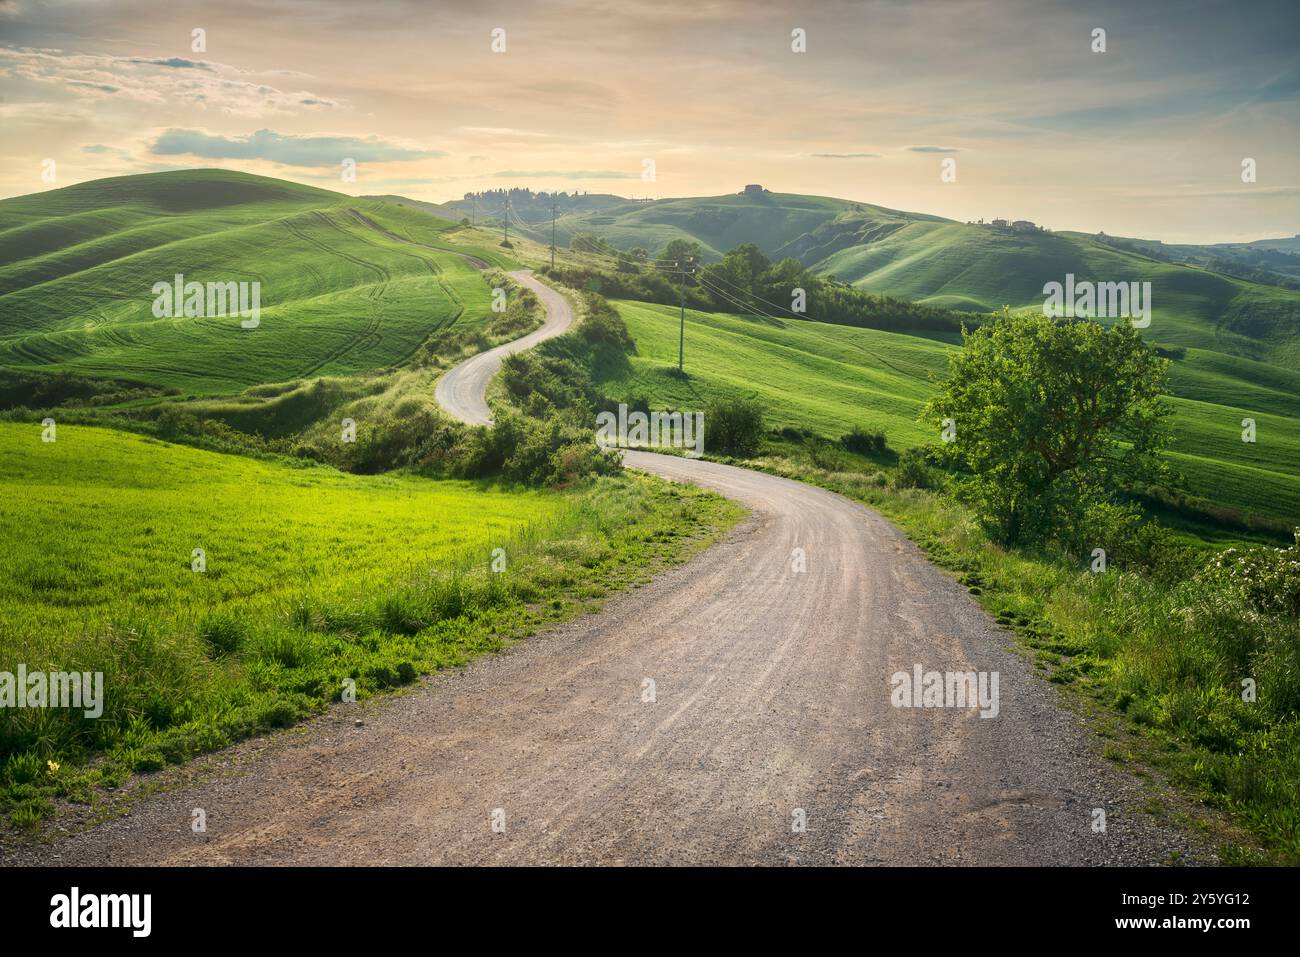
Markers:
985,268
829,378
718,223
346,285
961,266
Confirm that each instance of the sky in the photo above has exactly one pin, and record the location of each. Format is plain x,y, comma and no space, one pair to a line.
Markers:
1146,138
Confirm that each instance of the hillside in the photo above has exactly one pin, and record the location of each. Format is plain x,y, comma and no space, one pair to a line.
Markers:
828,378
964,266
772,221
344,287
985,268
353,286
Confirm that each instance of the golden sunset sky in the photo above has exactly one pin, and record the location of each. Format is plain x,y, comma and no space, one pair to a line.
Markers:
1146,139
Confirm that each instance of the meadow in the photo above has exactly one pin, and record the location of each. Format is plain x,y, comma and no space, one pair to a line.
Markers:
313,577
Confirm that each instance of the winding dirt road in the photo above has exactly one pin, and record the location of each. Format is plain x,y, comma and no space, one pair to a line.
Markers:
462,390
771,657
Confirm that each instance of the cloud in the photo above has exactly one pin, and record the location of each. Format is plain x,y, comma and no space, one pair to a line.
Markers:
179,63
844,156
932,149
156,80
285,150
564,174
502,131
99,149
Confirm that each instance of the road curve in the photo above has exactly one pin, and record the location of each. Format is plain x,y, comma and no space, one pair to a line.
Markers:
462,389
772,696
770,735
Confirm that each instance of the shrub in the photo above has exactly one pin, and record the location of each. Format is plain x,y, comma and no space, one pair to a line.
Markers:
1268,578
863,442
914,470
603,323
733,426
173,424
1132,542
827,455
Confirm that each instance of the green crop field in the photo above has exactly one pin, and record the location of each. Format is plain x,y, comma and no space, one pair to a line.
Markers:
346,285
829,378
99,527
806,374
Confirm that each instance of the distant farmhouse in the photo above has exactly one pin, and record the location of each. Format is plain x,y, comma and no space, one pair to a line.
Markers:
753,189
1018,226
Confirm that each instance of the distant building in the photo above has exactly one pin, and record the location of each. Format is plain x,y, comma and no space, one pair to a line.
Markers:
1023,226
753,189
1000,222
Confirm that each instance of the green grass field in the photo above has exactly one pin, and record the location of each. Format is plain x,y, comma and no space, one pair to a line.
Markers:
312,577
341,292
830,378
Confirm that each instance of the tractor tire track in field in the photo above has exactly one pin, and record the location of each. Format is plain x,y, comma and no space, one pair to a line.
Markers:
439,274
771,704
369,223
371,334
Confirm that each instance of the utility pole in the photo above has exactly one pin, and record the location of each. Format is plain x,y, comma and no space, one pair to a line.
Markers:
681,336
554,209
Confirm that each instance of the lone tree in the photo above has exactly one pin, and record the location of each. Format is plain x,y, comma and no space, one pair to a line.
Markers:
1049,417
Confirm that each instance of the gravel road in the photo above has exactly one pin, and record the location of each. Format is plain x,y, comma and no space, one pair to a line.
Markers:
462,390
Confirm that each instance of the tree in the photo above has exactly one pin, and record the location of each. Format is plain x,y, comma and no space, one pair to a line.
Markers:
1048,418
738,272
682,252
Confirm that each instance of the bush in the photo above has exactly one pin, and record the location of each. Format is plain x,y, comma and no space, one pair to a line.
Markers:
915,471
417,436
173,424
863,442
603,323
733,426
551,451
1267,578
1132,542
827,455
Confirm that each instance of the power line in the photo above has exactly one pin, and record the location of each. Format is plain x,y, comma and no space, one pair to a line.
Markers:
747,307
717,278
